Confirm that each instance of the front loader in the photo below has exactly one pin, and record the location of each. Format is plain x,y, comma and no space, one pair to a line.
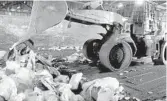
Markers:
116,48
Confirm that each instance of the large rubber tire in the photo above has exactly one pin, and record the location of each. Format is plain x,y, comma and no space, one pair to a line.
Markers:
91,48
164,53
116,57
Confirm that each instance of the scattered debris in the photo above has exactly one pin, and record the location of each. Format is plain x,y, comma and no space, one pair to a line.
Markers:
72,58
132,70
75,57
145,60
58,83
121,74
130,99
126,98
126,71
140,79
78,48
150,92
60,48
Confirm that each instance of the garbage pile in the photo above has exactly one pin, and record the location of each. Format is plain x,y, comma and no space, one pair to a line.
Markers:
23,84
21,79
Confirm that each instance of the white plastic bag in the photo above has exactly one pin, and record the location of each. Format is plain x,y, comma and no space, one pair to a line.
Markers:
105,89
11,67
67,94
74,81
7,87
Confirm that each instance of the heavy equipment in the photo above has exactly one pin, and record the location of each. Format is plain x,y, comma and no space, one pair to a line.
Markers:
116,48
148,30
151,45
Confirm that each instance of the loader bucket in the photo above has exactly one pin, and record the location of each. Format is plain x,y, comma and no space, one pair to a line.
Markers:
44,15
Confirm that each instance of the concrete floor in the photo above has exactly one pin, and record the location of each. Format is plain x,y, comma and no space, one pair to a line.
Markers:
146,82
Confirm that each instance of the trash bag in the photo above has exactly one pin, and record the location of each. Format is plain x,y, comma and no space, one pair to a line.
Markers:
11,67
105,89
8,89
74,81
25,76
67,95
23,79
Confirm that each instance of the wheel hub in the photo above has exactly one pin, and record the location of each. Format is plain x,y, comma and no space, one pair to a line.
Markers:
116,56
